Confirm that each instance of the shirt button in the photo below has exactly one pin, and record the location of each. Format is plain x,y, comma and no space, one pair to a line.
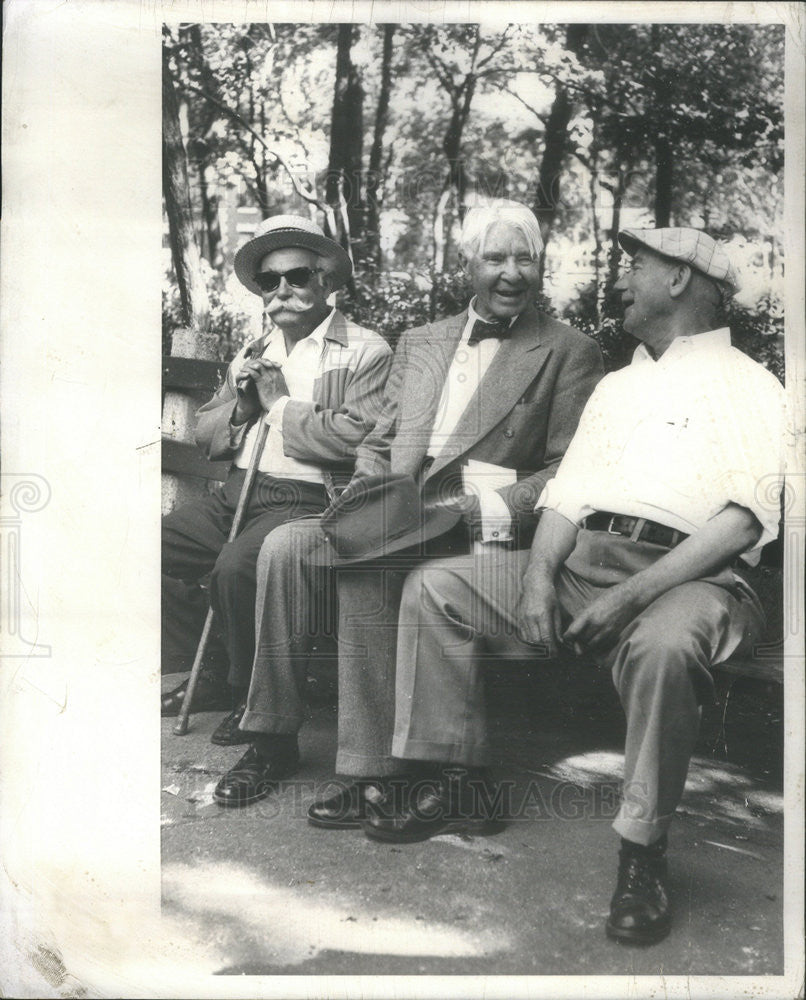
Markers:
508,433
495,534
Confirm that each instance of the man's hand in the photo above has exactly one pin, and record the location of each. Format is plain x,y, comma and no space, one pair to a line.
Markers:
260,384
538,614
599,626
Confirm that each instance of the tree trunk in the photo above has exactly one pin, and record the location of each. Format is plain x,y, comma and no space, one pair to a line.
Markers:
184,250
614,255
598,292
373,226
452,144
344,178
663,181
212,227
663,148
199,127
440,243
194,340
456,182
555,142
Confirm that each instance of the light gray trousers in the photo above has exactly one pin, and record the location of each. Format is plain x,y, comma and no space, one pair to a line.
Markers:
296,605
455,612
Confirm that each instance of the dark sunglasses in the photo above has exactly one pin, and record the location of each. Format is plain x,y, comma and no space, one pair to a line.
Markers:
297,277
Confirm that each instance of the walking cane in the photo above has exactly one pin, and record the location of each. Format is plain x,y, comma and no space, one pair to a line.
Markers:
181,727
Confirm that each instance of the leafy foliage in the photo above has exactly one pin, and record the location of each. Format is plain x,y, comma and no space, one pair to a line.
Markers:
392,303
229,324
760,334
684,120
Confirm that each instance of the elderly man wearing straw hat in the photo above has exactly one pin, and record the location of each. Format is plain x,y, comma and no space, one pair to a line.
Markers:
319,378
673,475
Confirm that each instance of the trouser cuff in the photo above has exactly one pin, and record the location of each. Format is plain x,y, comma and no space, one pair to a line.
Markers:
369,766
641,831
267,722
448,753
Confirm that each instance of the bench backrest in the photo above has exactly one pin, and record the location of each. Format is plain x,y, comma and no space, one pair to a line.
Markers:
200,378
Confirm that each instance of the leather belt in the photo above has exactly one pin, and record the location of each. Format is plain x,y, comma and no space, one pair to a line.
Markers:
637,529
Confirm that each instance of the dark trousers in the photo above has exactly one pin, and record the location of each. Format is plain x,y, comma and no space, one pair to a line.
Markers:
194,544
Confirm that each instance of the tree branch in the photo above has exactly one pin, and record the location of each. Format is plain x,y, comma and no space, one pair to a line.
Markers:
496,49
308,193
441,71
539,115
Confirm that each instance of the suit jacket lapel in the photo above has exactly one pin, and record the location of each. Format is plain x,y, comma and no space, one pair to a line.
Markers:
511,372
429,360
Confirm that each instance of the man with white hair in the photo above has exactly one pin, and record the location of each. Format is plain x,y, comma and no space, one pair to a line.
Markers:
479,410
319,380
672,477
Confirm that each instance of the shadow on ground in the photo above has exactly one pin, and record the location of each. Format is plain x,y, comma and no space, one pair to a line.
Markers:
260,892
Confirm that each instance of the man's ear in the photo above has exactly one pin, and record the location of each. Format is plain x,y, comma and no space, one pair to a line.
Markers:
464,262
679,279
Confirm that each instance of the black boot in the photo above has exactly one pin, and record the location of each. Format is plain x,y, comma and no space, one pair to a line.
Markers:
639,910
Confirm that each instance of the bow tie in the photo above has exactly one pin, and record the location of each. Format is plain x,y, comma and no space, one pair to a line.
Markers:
482,330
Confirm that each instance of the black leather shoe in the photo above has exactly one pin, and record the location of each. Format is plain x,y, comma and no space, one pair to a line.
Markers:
227,733
345,809
255,776
455,803
209,695
639,910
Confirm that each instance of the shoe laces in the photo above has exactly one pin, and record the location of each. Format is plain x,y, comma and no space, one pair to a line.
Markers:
640,875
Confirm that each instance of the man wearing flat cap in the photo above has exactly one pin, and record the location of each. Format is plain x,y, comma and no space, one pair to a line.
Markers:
479,409
319,379
672,478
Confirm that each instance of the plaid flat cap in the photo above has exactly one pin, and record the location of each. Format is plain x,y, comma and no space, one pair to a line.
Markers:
692,246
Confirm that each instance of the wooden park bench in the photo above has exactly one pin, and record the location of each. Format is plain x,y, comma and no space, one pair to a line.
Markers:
767,661
199,379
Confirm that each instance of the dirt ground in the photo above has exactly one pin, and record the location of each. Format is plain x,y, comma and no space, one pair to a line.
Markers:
258,891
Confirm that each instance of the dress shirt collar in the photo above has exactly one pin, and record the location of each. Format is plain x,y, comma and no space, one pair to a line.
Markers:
683,345
472,316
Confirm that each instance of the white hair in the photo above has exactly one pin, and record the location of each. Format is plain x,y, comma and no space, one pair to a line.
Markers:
481,218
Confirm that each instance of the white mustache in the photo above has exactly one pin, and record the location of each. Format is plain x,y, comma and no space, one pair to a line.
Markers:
288,304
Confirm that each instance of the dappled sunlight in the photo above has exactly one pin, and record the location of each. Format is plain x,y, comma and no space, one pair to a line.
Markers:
588,769
714,789
241,918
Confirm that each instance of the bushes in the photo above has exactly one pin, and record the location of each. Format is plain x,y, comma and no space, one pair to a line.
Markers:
758,333
230,325
391,302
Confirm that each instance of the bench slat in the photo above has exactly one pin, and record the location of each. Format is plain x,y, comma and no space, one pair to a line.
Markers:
192,374
763,669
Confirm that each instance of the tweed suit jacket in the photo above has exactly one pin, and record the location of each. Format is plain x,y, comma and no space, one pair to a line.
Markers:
347,400
522,416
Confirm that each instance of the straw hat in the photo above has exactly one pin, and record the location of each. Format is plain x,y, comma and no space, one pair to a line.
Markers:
282,231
